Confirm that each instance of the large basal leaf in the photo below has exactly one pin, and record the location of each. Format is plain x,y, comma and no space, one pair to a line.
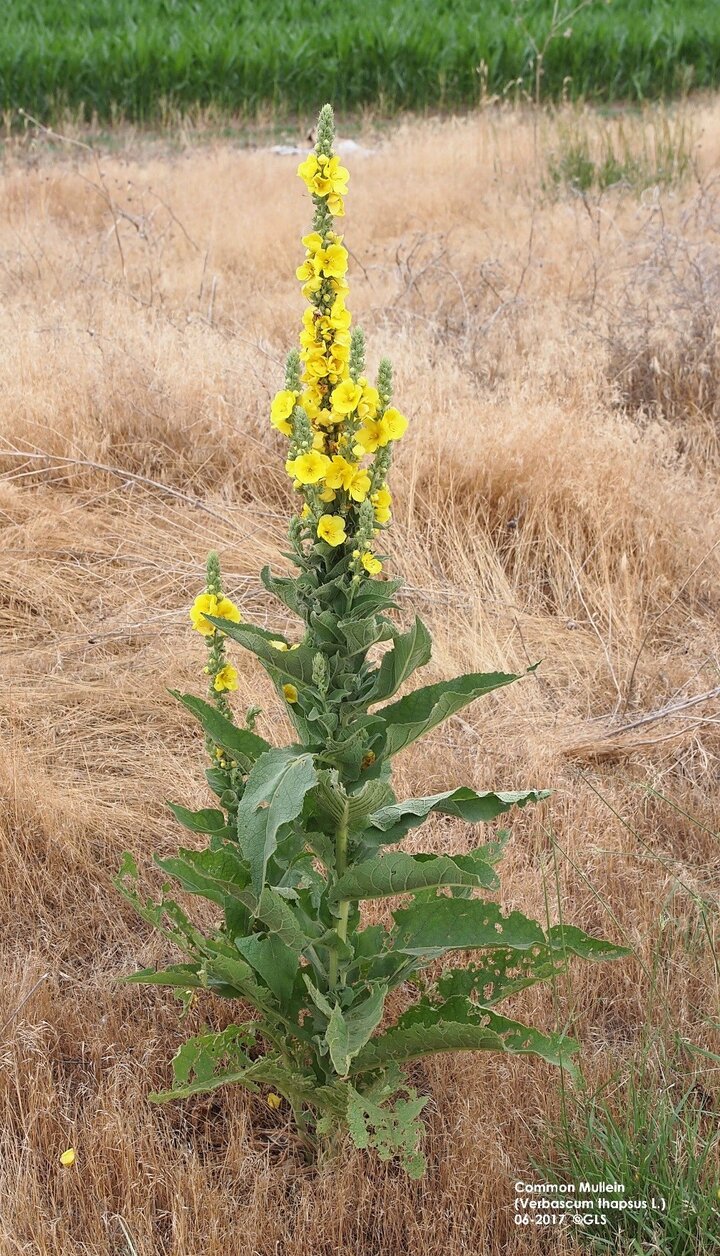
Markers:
448,924
214,874
274,795
208,820
410,650
400,873
457,1026
244,745
394,821
349,1030
424,709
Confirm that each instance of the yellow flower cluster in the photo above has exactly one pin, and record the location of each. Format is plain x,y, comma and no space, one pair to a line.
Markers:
343,418
210,604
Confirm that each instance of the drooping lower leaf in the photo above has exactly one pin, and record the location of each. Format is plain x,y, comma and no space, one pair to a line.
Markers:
456,1026
208,820
392,1129
215,874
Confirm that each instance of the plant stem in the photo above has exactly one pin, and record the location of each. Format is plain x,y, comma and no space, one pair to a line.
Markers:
341,845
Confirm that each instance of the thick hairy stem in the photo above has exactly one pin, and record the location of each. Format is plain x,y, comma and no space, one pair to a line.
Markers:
341,928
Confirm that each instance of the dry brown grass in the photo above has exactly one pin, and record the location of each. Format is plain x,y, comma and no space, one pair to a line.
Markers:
557,498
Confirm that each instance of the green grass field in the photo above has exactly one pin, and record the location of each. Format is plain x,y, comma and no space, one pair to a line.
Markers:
137,59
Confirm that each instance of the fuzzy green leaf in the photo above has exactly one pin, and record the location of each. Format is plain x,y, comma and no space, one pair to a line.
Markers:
418,712
239,742
505,971
295,664
410,650
214,874
349,1030
274,795
276,963
279,918
392,1130
285,588
395,820
208,820
400,873
457,1026
446,924
180,976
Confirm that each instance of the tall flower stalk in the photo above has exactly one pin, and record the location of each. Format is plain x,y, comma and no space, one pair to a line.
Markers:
302,835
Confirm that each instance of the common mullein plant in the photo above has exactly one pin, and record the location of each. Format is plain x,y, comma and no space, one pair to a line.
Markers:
302,835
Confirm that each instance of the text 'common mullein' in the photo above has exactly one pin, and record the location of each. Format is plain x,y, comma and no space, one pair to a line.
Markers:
301,835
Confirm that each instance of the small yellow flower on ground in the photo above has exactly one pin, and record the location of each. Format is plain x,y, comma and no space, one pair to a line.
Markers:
226,679
308,468
331,528
371,564
68,1157
290,692
274,1100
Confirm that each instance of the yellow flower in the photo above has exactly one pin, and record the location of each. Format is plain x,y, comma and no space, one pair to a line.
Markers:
308,272
313,242
369,401
308,468
331,528
339,473
228,610
346,397
307,170
281,409
393,425
359,485
327,495
332,261
290,692
273,1100
68,1157
204,604
382,501
226,679
279,645
371,564
370,436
